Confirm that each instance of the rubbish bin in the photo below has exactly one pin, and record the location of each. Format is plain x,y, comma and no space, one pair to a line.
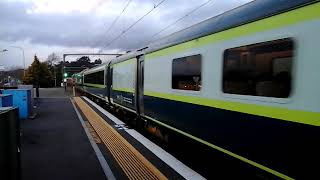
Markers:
10,161
22,100
6,100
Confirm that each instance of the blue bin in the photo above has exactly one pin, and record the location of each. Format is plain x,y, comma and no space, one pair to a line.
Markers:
22,100
6,100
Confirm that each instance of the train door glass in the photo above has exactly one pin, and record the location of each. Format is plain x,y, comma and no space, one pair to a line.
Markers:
140,84
109,81
262,69
186,73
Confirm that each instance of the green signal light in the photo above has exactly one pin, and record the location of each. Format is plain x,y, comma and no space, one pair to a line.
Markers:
65,74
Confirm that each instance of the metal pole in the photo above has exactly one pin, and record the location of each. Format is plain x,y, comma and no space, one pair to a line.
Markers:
63,71
24,59
24,63
55,76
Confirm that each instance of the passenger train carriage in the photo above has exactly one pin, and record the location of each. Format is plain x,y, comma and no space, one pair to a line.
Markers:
244,83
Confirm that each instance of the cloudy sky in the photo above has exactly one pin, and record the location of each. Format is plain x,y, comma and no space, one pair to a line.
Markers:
80,26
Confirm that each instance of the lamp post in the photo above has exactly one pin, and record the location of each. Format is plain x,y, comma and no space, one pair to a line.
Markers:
1,66
24,59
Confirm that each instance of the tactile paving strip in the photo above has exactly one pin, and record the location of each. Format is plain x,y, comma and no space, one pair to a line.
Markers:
130,160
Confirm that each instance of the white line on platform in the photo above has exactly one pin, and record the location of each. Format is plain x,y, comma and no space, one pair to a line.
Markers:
174,163
104,165
167,158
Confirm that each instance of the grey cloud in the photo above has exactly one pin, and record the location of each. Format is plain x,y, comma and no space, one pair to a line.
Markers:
87,30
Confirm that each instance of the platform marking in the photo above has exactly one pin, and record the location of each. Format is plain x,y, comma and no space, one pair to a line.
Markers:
104,165
131,161
93,133
103,111
167,158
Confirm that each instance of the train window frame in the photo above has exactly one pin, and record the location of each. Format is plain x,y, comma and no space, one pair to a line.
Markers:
92,73
201,74
274,99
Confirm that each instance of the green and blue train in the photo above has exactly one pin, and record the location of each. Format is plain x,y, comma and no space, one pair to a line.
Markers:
244,84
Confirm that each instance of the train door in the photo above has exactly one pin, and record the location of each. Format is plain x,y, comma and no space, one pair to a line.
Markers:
139,85
108,82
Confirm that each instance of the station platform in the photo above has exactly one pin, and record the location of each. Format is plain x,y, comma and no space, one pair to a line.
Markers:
74,138
55,146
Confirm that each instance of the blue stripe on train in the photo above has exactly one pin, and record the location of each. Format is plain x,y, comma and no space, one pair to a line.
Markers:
101,92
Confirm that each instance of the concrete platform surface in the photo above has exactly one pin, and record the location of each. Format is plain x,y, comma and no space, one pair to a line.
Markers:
58,92
55,146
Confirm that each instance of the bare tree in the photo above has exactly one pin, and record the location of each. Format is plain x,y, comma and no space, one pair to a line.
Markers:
52,59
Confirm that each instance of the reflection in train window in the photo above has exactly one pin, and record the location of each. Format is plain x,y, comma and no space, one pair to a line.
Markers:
186,73
94,78
262,69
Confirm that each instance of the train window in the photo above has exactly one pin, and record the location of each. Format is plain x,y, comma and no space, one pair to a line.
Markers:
186,73
262,69
94,78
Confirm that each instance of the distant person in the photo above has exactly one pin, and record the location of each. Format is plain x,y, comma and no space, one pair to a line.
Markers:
65,84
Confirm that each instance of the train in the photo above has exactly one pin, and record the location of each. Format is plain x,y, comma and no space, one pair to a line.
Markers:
244,84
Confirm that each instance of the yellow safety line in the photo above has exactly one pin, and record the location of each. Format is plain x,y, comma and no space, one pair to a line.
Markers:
133,163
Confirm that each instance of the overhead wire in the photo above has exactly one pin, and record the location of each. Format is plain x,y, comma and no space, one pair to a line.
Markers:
126,30
115,20
94,8
168,26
